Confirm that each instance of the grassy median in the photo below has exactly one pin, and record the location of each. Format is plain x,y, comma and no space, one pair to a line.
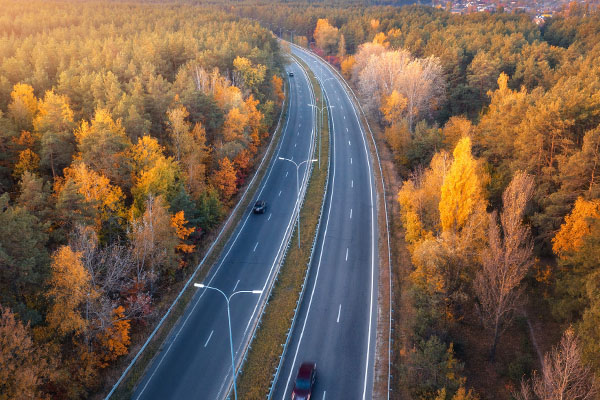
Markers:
125,389
263,357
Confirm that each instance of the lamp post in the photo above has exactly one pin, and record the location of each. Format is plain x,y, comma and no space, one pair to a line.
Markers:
291,34
227,299
321,125
297,189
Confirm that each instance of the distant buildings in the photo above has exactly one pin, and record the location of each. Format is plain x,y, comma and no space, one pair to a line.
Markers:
539,9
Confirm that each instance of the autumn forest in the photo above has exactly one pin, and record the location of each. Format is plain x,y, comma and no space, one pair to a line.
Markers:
125,133
128,128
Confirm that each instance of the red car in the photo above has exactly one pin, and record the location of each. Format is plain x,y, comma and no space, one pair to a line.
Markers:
305,380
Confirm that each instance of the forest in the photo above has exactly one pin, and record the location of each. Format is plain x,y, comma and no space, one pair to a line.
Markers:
491,126
126,130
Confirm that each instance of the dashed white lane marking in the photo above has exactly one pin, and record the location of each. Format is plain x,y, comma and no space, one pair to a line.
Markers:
324,393
350,160
299,125
352,183
295,144
344,117
269,217
338,318
346,129
346,253
349,144
279,193
236,285
208,340
286,174
255,246
350,213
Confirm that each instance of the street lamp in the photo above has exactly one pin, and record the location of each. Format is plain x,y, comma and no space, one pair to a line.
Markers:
227,299
297,189
291,34
321,125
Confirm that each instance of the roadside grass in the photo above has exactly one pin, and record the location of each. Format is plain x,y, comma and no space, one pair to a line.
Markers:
126,388
263,357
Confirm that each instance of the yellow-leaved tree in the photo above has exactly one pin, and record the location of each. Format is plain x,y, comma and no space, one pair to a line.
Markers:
326,36
462,195
393,106
103,146
251,75
189,148
28,162
69,287
105,198
54,124
23,105
154,174
145,153
576,227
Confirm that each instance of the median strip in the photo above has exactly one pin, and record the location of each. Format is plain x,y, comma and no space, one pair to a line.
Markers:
266,349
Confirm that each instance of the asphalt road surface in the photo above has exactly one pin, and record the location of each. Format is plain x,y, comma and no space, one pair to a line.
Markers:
195,360
336,324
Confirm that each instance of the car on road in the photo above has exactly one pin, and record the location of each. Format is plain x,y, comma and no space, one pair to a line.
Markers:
259,207
290,73
305,380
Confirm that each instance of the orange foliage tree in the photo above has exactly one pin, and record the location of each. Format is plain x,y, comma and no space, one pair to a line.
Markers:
576,227
22,365
69,287
224,179
277,83
115,339
107,199
178,222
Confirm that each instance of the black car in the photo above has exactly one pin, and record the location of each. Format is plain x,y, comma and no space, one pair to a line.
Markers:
305,380
260,207
290,73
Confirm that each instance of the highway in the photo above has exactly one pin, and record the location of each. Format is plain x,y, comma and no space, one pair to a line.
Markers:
337,320
195,360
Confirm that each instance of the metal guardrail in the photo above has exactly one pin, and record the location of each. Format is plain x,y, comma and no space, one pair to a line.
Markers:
356,101
208,253
283,255
306,275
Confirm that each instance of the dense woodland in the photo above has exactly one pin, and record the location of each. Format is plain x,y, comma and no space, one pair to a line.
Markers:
126,130
125,133
493,124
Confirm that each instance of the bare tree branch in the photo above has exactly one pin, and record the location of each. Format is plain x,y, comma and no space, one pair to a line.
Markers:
505,261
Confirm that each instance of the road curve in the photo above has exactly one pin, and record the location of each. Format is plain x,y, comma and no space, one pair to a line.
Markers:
195,360
337,321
